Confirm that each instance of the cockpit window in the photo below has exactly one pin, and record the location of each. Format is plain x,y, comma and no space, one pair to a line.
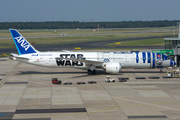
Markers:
164,57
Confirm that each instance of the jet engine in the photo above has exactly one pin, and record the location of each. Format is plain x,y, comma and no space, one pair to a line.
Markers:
112,67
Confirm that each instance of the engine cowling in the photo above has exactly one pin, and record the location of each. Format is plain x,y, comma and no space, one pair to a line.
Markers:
112,67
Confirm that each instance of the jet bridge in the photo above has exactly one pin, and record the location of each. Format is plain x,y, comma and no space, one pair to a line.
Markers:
174,44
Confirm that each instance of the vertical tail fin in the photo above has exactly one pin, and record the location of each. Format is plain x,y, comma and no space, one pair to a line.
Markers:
22,45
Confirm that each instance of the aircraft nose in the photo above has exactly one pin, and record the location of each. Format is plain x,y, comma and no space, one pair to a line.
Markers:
174,63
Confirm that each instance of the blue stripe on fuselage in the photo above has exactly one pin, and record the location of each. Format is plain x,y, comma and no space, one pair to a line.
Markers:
149,57
153,60
144,57
137,57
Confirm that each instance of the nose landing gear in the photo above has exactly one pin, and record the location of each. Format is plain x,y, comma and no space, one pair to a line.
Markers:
161,70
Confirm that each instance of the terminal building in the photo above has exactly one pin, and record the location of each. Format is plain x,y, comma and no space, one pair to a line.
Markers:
174,44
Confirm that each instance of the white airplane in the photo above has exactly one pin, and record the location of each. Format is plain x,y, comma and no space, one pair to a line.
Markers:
111,62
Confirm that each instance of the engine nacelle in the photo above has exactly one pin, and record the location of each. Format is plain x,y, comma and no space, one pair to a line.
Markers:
112,67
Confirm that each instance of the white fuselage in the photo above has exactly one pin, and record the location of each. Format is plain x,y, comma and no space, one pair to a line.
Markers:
127,60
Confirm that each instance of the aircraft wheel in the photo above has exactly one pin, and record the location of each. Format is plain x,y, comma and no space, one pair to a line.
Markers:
89,72
94,72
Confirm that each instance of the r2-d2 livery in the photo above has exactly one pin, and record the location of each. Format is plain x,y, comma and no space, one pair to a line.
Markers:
111,62
135,60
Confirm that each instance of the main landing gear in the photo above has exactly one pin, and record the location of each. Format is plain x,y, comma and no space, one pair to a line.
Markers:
90,72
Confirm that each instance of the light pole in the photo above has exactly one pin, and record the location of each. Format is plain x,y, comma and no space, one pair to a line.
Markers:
178,24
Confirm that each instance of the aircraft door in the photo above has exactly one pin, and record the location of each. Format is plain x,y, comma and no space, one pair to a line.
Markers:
137,58
145,60
128,60
137,61
112,57
100,56
140,58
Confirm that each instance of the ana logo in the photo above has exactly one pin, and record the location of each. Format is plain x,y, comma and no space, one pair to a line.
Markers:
22,42
34,55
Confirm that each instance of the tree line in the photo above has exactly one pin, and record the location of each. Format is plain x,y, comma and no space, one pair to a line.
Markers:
86,25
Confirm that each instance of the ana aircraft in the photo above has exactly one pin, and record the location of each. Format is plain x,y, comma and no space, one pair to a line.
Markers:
111,62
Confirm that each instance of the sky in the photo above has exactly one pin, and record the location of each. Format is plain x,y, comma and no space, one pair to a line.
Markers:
88,10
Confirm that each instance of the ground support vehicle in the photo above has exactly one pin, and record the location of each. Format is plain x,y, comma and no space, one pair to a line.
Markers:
123,79
81,83
154,77
67,83
56,81
109,79
92,82
140,77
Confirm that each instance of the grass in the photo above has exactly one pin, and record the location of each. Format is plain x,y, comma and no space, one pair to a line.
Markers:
5,46
73,39
5,55
7,43
117,49
146,42
45,32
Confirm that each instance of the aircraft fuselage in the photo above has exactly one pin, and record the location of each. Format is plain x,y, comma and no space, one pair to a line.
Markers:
127,60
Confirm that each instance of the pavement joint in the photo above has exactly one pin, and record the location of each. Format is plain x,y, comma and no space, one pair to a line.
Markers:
9,74
155,97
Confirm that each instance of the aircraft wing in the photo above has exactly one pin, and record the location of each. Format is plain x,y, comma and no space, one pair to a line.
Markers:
66,51
85,61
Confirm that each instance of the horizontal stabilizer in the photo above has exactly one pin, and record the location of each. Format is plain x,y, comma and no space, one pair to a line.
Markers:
22,58
17,56
13,54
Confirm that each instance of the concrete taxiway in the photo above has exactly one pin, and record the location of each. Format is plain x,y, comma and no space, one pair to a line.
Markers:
26,93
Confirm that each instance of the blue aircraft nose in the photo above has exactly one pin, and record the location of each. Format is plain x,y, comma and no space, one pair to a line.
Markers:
174,63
